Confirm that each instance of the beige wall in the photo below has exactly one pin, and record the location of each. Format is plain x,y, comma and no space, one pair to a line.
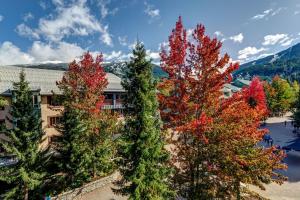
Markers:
46,111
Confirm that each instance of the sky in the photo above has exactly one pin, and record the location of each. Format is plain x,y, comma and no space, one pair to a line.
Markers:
39,31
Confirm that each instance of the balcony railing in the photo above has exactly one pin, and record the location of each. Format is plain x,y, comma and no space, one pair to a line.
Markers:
110,107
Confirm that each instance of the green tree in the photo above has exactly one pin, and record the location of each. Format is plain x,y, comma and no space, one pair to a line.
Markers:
71,150
296,111
85,147
280,95
143,157
102,128
3,102
295,87
27,175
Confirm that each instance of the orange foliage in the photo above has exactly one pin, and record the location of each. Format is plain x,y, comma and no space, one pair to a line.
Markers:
210,133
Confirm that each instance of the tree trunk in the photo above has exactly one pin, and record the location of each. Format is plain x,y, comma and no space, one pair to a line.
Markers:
26,193
238,190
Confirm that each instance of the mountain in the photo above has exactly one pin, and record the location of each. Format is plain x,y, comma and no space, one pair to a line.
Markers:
285,63
117,68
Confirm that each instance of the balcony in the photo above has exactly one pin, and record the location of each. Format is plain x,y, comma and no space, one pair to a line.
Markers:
111,107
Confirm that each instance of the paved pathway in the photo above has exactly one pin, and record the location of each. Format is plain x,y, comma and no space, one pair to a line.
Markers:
104,193
283,136
290,190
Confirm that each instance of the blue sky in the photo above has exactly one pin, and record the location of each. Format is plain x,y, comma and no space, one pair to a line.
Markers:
35,31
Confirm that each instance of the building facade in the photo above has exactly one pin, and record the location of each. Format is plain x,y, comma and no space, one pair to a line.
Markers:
42,82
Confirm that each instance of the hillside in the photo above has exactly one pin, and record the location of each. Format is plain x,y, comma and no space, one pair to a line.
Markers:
285,63
117,68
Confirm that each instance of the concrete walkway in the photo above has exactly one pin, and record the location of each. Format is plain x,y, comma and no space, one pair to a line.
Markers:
290,190
104,193
283,136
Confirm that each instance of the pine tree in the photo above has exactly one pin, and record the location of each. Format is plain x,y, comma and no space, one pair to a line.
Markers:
27,175
71,150
86,144
143,157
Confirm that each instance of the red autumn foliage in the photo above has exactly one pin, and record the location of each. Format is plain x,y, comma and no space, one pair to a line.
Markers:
255,95
211,136
85,82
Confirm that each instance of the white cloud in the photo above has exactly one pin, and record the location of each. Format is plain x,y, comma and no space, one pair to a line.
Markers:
163,45
106,36
43,5
74,19
1,18
277,11
11,54
58,2
237,38
296,12
268,13
262,15
28,16
26,31
153,55
274,39
249,51
219,34
41,52
287,42
189,32
115,56
63,51
151,11
123,40
112,55
104,10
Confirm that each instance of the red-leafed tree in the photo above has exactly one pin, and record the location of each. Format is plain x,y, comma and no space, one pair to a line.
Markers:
214,140
86,144
85,82
255,95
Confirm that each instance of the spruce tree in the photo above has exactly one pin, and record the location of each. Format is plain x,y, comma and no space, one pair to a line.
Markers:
85,147
70,147
143,163
27,175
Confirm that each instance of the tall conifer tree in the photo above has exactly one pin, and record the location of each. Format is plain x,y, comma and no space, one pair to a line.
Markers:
85,147
143,164
71,150
27,175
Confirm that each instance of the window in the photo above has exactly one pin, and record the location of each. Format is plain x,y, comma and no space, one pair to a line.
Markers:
35,101
2,122
108,96
53,101
54,121
49,100
2,107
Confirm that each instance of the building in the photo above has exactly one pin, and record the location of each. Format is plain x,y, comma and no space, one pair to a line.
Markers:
43,85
